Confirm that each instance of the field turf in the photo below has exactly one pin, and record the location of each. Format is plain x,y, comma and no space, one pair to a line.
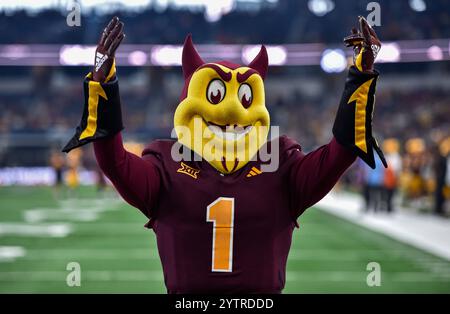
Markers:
39,236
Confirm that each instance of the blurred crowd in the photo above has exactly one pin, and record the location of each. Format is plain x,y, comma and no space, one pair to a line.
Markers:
416,172
288,21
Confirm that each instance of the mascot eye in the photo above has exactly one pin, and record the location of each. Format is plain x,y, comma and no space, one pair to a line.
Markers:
216,91
245,95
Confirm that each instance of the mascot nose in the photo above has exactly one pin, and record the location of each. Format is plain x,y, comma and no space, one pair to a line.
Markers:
233,110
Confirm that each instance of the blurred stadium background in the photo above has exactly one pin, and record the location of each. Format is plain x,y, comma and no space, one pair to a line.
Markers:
397,218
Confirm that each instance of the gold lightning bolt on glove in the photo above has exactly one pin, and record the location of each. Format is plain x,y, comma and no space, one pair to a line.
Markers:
102,116
353,125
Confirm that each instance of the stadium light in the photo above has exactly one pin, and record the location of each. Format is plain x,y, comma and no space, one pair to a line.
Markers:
137,58
215,9
14,52
389,52
320,7
435,53
249,53
76,55
277,54
333,61
166,55
418,5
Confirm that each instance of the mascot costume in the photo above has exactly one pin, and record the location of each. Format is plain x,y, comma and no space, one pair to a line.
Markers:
223,223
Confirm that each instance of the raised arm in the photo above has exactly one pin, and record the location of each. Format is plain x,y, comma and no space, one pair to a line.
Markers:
313,175
136,179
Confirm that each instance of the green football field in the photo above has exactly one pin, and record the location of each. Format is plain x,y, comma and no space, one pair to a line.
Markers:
39,236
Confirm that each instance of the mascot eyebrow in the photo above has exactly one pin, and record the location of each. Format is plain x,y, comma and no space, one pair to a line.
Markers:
227,76
224,75
242,77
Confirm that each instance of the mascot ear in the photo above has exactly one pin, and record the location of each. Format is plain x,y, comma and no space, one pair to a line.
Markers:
190,60
261,62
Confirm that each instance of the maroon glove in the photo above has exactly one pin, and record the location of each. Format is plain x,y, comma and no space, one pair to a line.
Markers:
111,38
366,45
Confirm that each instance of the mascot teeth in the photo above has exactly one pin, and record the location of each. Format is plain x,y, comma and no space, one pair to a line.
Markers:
229,132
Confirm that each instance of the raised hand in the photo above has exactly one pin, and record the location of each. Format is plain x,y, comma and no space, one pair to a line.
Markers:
110,39
366,45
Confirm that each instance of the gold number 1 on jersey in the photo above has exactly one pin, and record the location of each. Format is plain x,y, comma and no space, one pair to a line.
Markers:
221,213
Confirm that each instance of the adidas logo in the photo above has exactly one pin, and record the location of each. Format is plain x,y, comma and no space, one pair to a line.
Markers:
99,60
375,50
253,172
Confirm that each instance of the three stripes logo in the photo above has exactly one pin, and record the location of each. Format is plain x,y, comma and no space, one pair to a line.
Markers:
375,50
253,172
99,60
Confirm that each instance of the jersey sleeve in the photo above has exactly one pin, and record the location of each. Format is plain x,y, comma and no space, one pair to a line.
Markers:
311,176
136,179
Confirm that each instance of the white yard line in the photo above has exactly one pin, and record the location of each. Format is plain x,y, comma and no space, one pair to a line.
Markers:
39,215
72,210
57,230
426,232
11,253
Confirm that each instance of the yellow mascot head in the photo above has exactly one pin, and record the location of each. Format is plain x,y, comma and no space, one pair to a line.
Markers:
222,115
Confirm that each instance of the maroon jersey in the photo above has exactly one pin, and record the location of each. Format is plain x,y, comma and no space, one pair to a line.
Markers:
222,233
